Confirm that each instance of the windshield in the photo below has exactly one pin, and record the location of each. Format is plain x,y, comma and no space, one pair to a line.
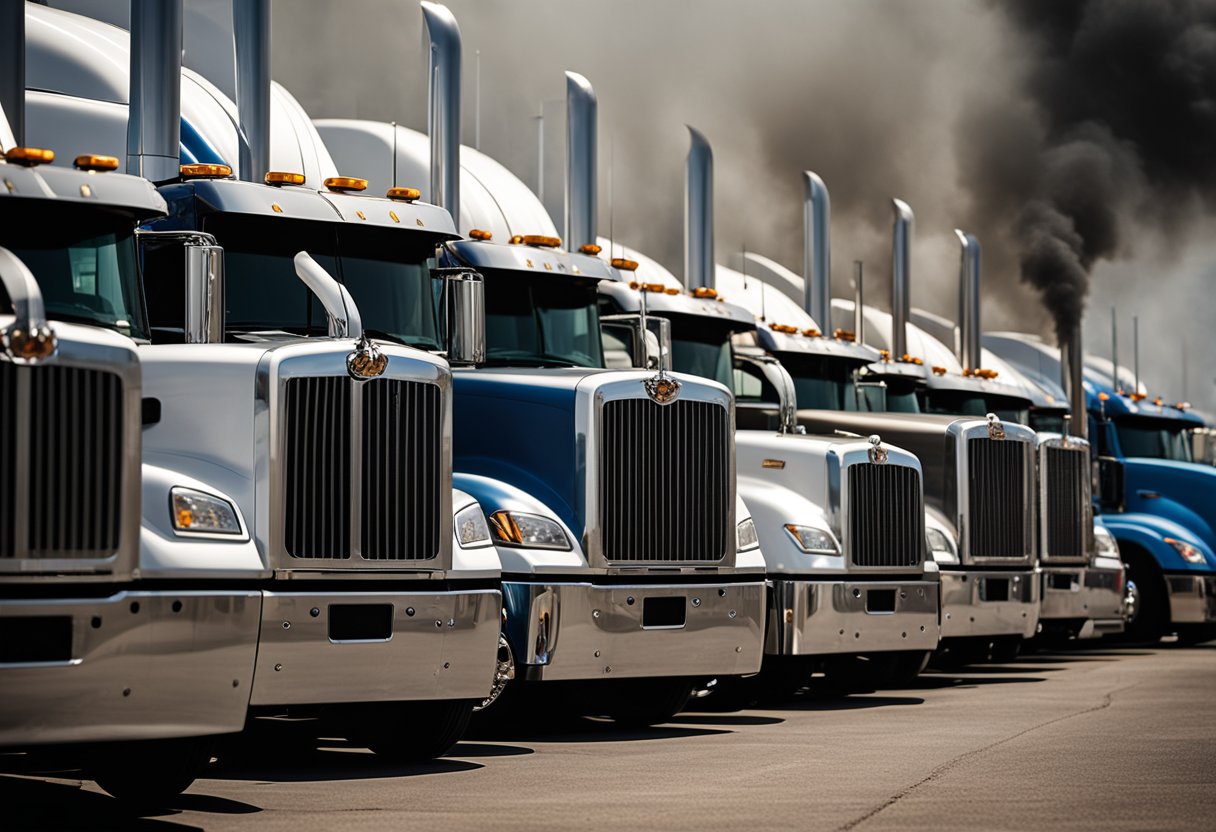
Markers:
83,260
541,320
901,393
821,383
1047,421
1154,439
387,274
701,350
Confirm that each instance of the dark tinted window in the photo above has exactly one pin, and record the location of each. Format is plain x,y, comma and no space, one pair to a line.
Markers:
541,320
1154,438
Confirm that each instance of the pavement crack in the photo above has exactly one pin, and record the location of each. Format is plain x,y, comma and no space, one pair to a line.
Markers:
951,764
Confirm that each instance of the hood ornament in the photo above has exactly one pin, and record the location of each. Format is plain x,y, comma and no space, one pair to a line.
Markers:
878,454
662,388
366,361
995,429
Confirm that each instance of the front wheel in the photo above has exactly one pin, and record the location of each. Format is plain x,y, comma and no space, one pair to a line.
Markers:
412,732
149,772
644,702
1150,614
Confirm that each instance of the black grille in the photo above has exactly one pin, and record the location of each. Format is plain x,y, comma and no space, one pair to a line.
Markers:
997,516
8,458
1067,484
665,489
401,470
316,469
886,516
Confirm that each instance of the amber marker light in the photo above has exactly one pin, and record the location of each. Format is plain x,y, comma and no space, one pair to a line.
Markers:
777,464
844,335
811,332
346,183
283,177
404,194
542,241
29,156
204,171
704,292
481,234
93,162
589,248
624,264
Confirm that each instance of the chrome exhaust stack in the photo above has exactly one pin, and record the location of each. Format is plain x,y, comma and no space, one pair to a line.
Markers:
1072,371
251,39
969,332
581,161
443,105
699,213
817,251
901,276
154,114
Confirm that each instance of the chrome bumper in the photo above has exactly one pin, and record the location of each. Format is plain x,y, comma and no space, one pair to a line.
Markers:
1090,596
327,647
808,618
131,666
586,631
1192,598
976,603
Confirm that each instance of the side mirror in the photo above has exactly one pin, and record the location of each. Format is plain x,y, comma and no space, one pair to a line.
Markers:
871,396
620,343
204,293
660,328
1110,483
647,339
464,316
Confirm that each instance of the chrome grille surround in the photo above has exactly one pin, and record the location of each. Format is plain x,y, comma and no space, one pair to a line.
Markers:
669,485
877,510
368,533
1066,519
992,496
70,453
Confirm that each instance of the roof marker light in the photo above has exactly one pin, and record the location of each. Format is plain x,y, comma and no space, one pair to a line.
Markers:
202,171
480,234
346,183
542,241
93,162
624,264
404,194
844,335
589,248
29,156
282,177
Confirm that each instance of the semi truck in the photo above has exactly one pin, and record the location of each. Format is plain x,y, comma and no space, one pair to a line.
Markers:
840,518
380,605
1154,499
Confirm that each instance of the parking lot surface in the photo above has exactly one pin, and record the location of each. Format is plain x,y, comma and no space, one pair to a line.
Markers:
1108,738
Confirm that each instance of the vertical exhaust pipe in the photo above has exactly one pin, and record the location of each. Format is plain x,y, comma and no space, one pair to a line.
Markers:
859,304
901,276
699,212
1072,366
1114,352
969,347
154,115
443,106
251,41
817,251
12,78
581,161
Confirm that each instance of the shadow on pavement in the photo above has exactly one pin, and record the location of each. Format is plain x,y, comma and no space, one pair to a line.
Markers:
939,681
334,760
1008,668
481,749
828,702
696,718
586,729
38,804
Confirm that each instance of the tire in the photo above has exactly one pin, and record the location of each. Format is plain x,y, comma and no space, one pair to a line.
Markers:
149,773
957,653
854,674
413,732
1006,649
642,703
1151,617
907,665
1192,634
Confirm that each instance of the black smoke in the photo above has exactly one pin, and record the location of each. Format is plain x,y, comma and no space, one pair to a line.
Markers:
1125,93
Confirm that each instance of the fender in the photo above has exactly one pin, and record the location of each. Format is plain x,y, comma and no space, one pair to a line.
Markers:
468,562
1182,492
1149,531
771,508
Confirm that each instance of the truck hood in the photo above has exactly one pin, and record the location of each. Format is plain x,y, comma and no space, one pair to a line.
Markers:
1183,492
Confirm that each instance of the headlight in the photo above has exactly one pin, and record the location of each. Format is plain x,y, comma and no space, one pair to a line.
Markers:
515,529
1189,553
939,543
1105,543
194,511
471,528
745,536
812,540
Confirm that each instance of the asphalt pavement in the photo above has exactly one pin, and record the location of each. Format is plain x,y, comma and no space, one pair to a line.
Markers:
1109,738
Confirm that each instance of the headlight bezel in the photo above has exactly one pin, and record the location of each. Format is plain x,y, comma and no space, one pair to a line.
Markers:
474,519
747,539
505,530
1189,553
179,498
948,551
795,530
1105,544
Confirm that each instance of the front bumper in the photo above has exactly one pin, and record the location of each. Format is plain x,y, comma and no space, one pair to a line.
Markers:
567,631
808,618
1087,600
1192,598
983,603
330,647
131,666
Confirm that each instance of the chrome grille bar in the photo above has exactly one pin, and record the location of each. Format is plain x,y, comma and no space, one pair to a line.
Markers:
664,481
401,470
317,467
1067,503
998,505
886,516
